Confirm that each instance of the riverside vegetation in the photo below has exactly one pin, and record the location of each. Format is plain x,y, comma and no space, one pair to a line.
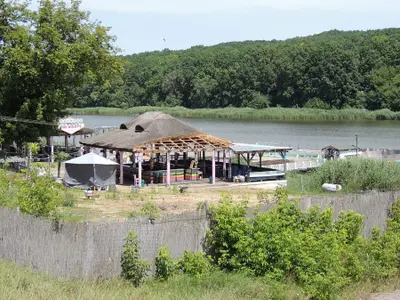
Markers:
233,113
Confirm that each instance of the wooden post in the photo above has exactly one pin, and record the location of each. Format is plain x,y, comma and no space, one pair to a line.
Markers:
248,167
140,171
230,167
260,155
204,163
66,142
52,149
121,167
213,167
168,169
224,163
283,156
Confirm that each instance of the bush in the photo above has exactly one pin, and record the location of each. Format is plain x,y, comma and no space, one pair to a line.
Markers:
319,253
150,210
195,264
134,269
38,195
165,266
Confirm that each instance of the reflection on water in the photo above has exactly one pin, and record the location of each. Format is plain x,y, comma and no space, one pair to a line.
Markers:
304,135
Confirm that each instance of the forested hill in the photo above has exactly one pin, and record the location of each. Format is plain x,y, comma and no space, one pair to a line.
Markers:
334,69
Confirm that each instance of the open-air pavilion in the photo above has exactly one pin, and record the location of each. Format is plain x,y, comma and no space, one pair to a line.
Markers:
247,153
163,139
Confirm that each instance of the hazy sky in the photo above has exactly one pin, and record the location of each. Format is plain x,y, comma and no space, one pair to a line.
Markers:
141,25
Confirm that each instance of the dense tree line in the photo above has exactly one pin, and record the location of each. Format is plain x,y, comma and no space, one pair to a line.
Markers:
331,70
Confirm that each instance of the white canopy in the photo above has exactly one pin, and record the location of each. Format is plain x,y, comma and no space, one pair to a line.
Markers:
91,159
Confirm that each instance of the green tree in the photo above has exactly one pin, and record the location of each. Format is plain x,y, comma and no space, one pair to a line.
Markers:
45,56
134,269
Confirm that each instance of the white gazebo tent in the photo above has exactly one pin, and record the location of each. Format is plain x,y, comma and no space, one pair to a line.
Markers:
90,171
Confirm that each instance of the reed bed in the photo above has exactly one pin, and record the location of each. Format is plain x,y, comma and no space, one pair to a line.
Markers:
273,113
355,175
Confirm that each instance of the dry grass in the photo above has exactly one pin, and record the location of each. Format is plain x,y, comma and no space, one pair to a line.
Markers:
124,202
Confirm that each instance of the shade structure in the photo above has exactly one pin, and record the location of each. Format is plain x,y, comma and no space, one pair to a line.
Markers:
156,132
90,171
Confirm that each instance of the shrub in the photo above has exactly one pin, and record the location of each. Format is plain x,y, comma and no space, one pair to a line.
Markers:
38,195
228,225
150,210
165,266
195,264
134,269
319,253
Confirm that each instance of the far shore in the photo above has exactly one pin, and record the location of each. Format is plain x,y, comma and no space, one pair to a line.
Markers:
273,113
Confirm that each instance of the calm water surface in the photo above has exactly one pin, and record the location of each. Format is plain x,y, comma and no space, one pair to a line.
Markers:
303,135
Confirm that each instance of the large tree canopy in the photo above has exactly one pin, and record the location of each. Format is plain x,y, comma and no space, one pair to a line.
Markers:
334,69
46,56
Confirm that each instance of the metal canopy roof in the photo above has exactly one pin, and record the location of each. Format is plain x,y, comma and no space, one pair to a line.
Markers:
254,148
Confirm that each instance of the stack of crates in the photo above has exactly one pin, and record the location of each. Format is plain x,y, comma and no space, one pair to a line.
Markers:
191,175
178,175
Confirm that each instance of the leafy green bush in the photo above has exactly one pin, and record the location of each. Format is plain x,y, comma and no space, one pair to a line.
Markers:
228,226
38,195
150,210
320,253
166,267
195,264
134,269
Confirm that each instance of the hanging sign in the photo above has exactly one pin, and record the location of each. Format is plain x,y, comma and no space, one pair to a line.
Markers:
70,125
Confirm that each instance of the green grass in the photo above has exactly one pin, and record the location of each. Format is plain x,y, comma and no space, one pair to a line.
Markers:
21,283
275,113
355,175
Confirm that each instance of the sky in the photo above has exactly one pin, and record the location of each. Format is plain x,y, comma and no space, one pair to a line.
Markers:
148,25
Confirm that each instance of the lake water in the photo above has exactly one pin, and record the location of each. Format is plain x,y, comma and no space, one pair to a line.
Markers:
303,135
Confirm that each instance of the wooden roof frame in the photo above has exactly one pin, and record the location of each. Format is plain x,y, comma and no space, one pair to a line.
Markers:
189,143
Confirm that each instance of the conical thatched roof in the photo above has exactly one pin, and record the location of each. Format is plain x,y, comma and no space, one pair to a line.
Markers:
155,132
159,125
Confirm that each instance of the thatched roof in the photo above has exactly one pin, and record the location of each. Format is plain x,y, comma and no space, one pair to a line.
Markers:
156,132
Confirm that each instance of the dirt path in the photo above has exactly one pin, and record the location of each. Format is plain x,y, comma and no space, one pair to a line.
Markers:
382,296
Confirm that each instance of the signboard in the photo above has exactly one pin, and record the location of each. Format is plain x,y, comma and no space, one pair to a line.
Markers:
70,125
